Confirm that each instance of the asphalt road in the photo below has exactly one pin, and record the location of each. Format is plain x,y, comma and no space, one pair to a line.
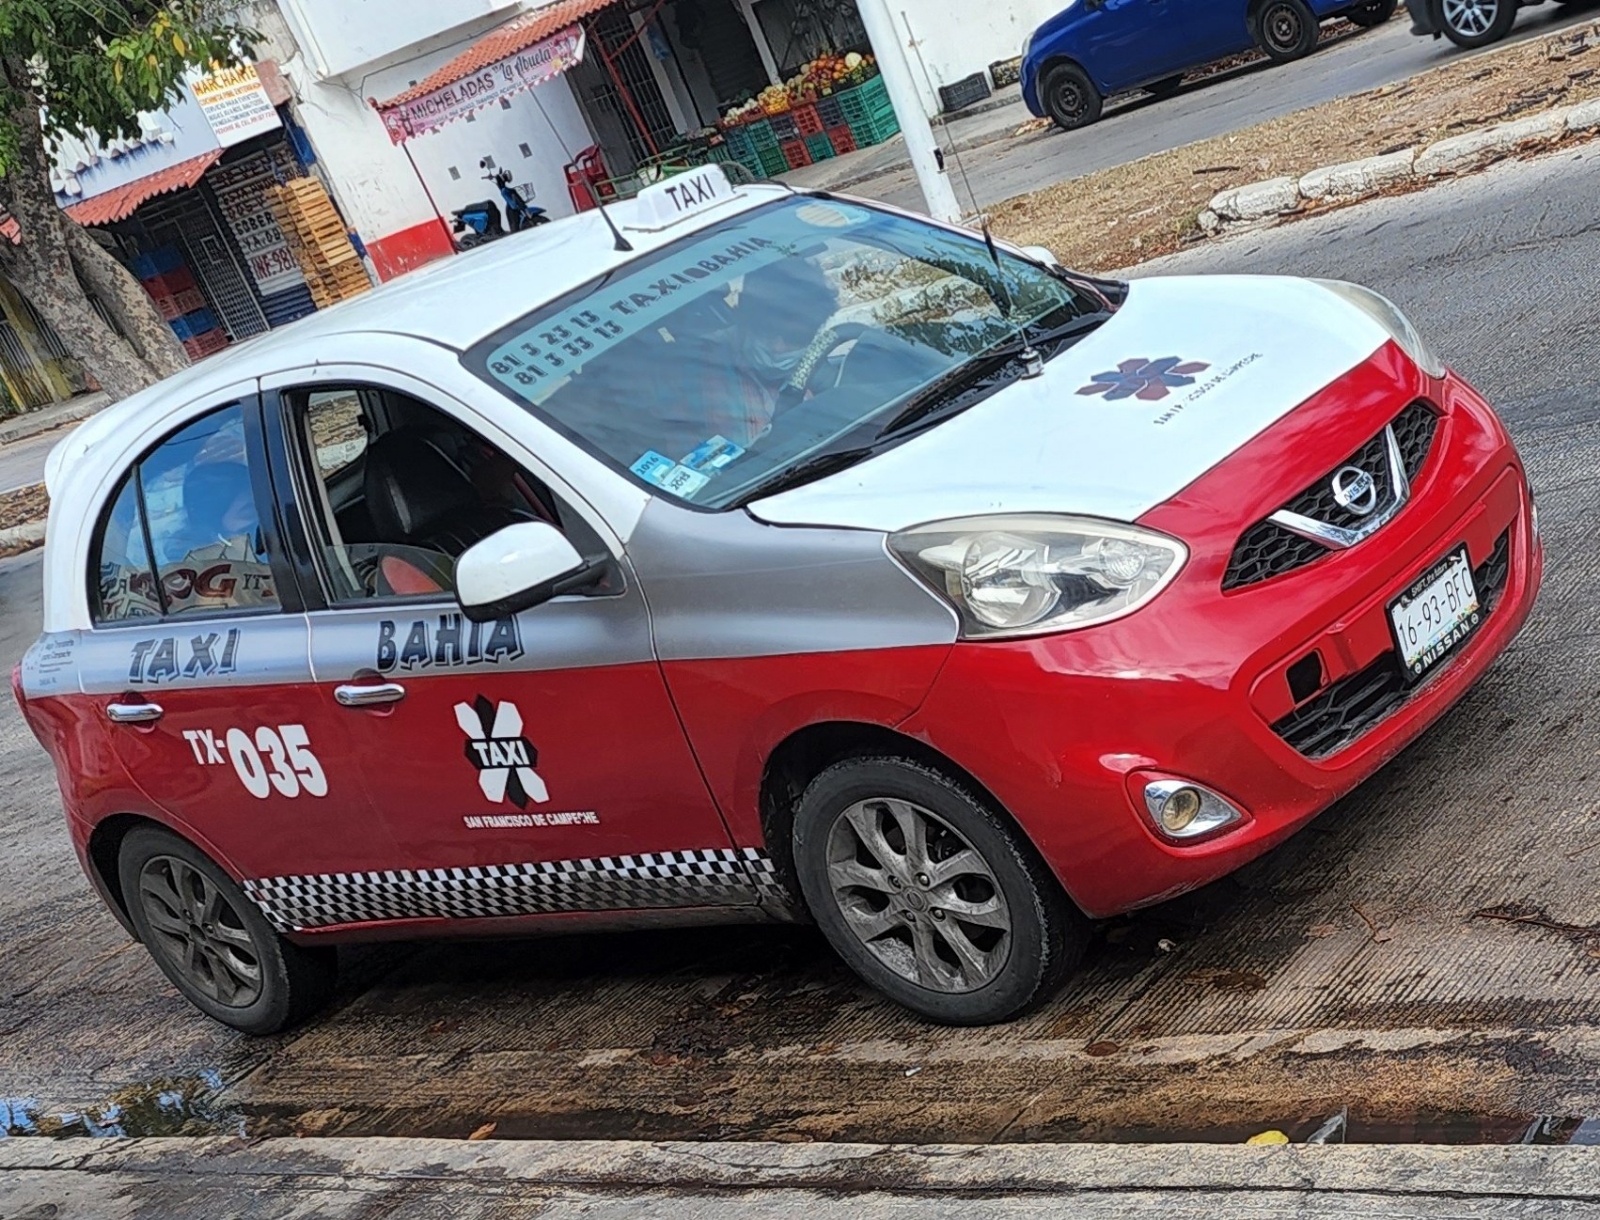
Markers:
22,462
1351,967
1206,108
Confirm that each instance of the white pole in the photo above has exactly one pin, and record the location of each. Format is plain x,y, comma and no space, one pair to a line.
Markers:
890,49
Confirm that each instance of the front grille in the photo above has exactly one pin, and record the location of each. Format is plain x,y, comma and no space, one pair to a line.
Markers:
1355,705
1268,549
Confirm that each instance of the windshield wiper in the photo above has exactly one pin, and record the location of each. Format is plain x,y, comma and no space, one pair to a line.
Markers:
807,470
953,390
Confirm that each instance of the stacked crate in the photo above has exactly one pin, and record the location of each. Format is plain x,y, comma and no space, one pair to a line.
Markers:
869,112
319,240
177,298
840,138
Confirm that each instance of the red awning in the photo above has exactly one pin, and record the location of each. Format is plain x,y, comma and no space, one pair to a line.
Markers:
121,202
491,68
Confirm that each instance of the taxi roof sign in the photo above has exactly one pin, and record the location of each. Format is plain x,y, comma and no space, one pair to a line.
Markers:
676,199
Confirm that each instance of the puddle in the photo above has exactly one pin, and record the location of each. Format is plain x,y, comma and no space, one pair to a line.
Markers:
184,1105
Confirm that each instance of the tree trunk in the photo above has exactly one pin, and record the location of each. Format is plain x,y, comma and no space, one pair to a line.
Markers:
41,267
127,302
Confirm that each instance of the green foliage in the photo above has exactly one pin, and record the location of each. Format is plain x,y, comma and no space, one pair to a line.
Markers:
96,64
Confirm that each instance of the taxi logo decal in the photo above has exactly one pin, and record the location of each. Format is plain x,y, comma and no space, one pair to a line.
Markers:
450,642
503,756
1146,380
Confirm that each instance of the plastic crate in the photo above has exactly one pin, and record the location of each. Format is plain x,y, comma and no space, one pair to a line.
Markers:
739,141
769,164
808,120
171,307
842,141
968,91
866,103
204,345
170,283
868,132
819,147
157,262
1006,72
193,325
830,112
796,153
785,127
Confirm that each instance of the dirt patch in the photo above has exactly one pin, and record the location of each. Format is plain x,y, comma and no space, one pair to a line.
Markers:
1133,212
21,507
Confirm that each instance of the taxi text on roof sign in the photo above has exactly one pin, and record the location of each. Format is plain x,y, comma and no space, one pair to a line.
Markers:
680,197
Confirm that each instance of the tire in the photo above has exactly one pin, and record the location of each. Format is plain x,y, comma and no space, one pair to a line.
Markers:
1165,87
1371,16
897,928
1070,98
1476,23
1286,30
290,982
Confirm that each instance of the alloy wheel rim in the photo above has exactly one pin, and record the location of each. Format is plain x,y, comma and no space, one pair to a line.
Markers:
1471,17
1283,27
918,896
197,929
1069,101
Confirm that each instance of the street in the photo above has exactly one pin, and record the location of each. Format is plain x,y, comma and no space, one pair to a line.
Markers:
22,462
1425,954
1241,98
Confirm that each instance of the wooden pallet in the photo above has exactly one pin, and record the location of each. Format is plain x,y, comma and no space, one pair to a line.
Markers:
320,242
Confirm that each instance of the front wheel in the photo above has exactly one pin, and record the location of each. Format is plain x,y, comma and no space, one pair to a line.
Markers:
1286,30
1370,16
1477,23
1070,98
930,895
212,942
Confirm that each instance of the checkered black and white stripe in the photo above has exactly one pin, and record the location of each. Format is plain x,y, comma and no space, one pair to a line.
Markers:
711,877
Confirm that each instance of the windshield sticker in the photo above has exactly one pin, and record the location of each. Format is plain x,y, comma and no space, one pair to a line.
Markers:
829,215
713,454
504,758
661,471
1146,380
534,362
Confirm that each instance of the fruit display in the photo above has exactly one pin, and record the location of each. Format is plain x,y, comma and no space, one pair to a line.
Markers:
820,77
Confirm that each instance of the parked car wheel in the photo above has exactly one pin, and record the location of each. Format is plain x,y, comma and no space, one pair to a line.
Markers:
1286,29
212,942
1165,87
1070,97
1370,16
930,895
1477,23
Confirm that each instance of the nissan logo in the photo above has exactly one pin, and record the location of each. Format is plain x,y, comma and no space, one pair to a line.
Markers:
1355,490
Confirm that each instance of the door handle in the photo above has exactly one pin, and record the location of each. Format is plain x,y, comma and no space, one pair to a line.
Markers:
368,696
134,713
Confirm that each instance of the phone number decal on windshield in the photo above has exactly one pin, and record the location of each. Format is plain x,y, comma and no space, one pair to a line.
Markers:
534,362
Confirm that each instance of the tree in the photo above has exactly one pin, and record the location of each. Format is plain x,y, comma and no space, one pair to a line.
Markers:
82,67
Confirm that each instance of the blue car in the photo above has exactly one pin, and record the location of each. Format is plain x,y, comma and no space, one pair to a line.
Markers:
1093,49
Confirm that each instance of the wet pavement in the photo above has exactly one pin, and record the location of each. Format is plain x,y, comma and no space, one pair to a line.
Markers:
1426,954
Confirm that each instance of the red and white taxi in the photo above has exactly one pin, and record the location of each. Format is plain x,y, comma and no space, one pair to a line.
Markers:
768,555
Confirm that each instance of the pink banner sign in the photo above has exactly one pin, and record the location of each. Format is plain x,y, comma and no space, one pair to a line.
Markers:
543,61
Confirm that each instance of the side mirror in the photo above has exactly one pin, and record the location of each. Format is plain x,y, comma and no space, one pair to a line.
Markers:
514,568
1041,254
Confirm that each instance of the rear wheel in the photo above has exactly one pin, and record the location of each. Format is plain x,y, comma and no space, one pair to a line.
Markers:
1477,23
1286,29
1370,16
212,942
1070,98
930,895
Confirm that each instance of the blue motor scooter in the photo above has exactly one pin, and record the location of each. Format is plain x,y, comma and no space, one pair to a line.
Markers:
480,222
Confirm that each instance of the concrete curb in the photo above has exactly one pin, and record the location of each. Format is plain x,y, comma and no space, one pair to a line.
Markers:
26,536
1351,180
1520,1171
19,427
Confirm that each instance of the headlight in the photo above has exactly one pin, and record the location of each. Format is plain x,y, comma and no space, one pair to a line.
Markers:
1027,45
1387,315
1028,575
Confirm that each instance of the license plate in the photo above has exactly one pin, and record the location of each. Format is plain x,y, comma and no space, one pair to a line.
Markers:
1438,612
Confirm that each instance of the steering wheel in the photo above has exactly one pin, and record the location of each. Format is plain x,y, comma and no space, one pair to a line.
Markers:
793,390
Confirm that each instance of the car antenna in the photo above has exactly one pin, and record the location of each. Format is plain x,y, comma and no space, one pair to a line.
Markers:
621,243
1030,359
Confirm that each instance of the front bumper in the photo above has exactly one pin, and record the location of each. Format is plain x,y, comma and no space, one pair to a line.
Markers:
1065,730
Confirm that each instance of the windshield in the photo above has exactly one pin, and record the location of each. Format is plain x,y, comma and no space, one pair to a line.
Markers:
777,340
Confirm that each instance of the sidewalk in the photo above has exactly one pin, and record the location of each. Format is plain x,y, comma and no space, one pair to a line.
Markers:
989,121
343,1179
45,419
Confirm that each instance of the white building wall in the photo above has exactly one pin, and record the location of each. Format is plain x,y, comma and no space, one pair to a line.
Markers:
377,188
958,39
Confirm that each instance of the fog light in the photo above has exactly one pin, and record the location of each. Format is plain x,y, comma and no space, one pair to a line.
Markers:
1183,810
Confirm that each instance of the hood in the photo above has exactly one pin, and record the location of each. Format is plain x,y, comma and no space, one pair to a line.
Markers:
1186,372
